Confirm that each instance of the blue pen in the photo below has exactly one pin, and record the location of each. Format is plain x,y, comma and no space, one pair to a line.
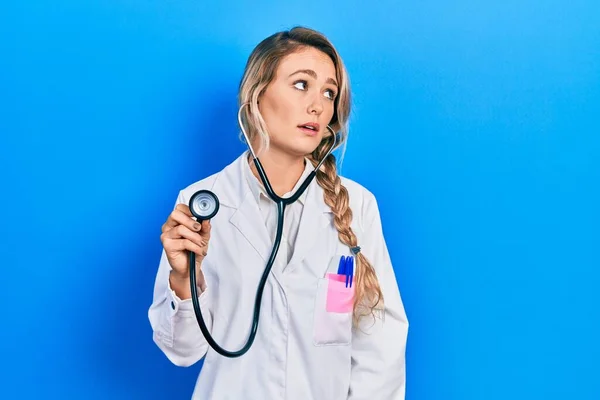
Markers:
346,268
347,276
350,271
342,265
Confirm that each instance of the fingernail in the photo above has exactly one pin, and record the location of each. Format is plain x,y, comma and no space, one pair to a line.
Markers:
197,226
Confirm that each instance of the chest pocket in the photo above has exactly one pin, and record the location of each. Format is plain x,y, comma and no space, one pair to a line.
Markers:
333,310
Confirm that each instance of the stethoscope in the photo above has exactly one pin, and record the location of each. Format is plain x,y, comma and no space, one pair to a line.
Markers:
204,204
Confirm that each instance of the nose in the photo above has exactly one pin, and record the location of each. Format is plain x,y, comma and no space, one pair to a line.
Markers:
315,106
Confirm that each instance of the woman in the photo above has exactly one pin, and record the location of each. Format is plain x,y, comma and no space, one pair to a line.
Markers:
312,342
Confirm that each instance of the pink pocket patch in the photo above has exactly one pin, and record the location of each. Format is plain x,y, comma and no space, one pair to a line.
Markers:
340,299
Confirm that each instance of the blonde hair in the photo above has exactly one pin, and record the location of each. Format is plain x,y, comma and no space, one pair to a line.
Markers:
259,72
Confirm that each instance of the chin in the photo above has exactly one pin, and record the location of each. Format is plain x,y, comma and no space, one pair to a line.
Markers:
301,150
305,147
300,147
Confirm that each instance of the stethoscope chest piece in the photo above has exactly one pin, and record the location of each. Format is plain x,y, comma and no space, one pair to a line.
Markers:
204,204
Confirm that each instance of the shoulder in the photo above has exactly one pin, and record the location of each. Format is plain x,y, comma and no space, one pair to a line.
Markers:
356,191
203,184
222,182
362,201
354,188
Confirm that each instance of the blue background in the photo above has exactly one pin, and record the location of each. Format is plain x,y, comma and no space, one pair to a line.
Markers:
475,124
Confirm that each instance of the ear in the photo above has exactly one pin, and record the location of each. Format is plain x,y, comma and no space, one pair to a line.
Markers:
260,96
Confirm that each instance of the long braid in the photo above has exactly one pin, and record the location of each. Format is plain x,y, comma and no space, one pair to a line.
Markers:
368,295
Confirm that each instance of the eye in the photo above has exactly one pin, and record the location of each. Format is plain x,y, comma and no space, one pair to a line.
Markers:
300,83
331,95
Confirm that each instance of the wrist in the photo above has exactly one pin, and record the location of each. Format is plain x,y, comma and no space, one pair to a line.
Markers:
180,285
175,276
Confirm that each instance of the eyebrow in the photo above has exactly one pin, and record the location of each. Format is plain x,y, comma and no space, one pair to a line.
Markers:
314,75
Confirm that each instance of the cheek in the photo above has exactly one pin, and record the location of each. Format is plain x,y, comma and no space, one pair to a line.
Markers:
286,106
328,113
276,110
280,117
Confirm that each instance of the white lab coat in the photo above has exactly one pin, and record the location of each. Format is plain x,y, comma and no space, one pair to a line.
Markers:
301,351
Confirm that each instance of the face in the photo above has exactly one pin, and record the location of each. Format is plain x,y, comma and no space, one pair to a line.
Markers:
299,103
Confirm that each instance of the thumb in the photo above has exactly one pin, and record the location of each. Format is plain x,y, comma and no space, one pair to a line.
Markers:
206,228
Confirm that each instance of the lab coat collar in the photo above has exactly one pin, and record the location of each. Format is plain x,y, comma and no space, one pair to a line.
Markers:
234,191
257,188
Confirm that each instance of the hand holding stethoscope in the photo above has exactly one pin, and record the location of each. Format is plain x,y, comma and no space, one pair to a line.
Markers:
184,238
181,236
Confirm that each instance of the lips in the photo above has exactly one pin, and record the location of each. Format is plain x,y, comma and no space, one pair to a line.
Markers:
310,128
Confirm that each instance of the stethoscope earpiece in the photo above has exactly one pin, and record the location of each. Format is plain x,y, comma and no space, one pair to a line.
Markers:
204,205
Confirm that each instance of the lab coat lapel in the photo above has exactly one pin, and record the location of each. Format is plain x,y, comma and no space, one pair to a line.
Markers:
316,216
248,220
234,192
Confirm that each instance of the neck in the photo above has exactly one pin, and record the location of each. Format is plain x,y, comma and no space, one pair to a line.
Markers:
283,170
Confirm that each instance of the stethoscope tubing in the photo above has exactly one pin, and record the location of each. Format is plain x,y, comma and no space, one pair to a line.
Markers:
258,298
281,204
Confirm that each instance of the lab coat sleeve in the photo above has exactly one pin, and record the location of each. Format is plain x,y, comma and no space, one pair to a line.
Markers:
379,346
175,328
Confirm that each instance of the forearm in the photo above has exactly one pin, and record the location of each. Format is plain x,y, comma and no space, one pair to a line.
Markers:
172,317
180,285
378,360
379,346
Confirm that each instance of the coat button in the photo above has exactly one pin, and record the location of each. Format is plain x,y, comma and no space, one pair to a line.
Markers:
172,305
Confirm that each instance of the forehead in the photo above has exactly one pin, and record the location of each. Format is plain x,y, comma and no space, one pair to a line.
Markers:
307,58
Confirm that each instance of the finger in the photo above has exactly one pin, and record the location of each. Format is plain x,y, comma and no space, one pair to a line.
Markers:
183,232
184,244
205,231
171,222
179,217
184,209
191,246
